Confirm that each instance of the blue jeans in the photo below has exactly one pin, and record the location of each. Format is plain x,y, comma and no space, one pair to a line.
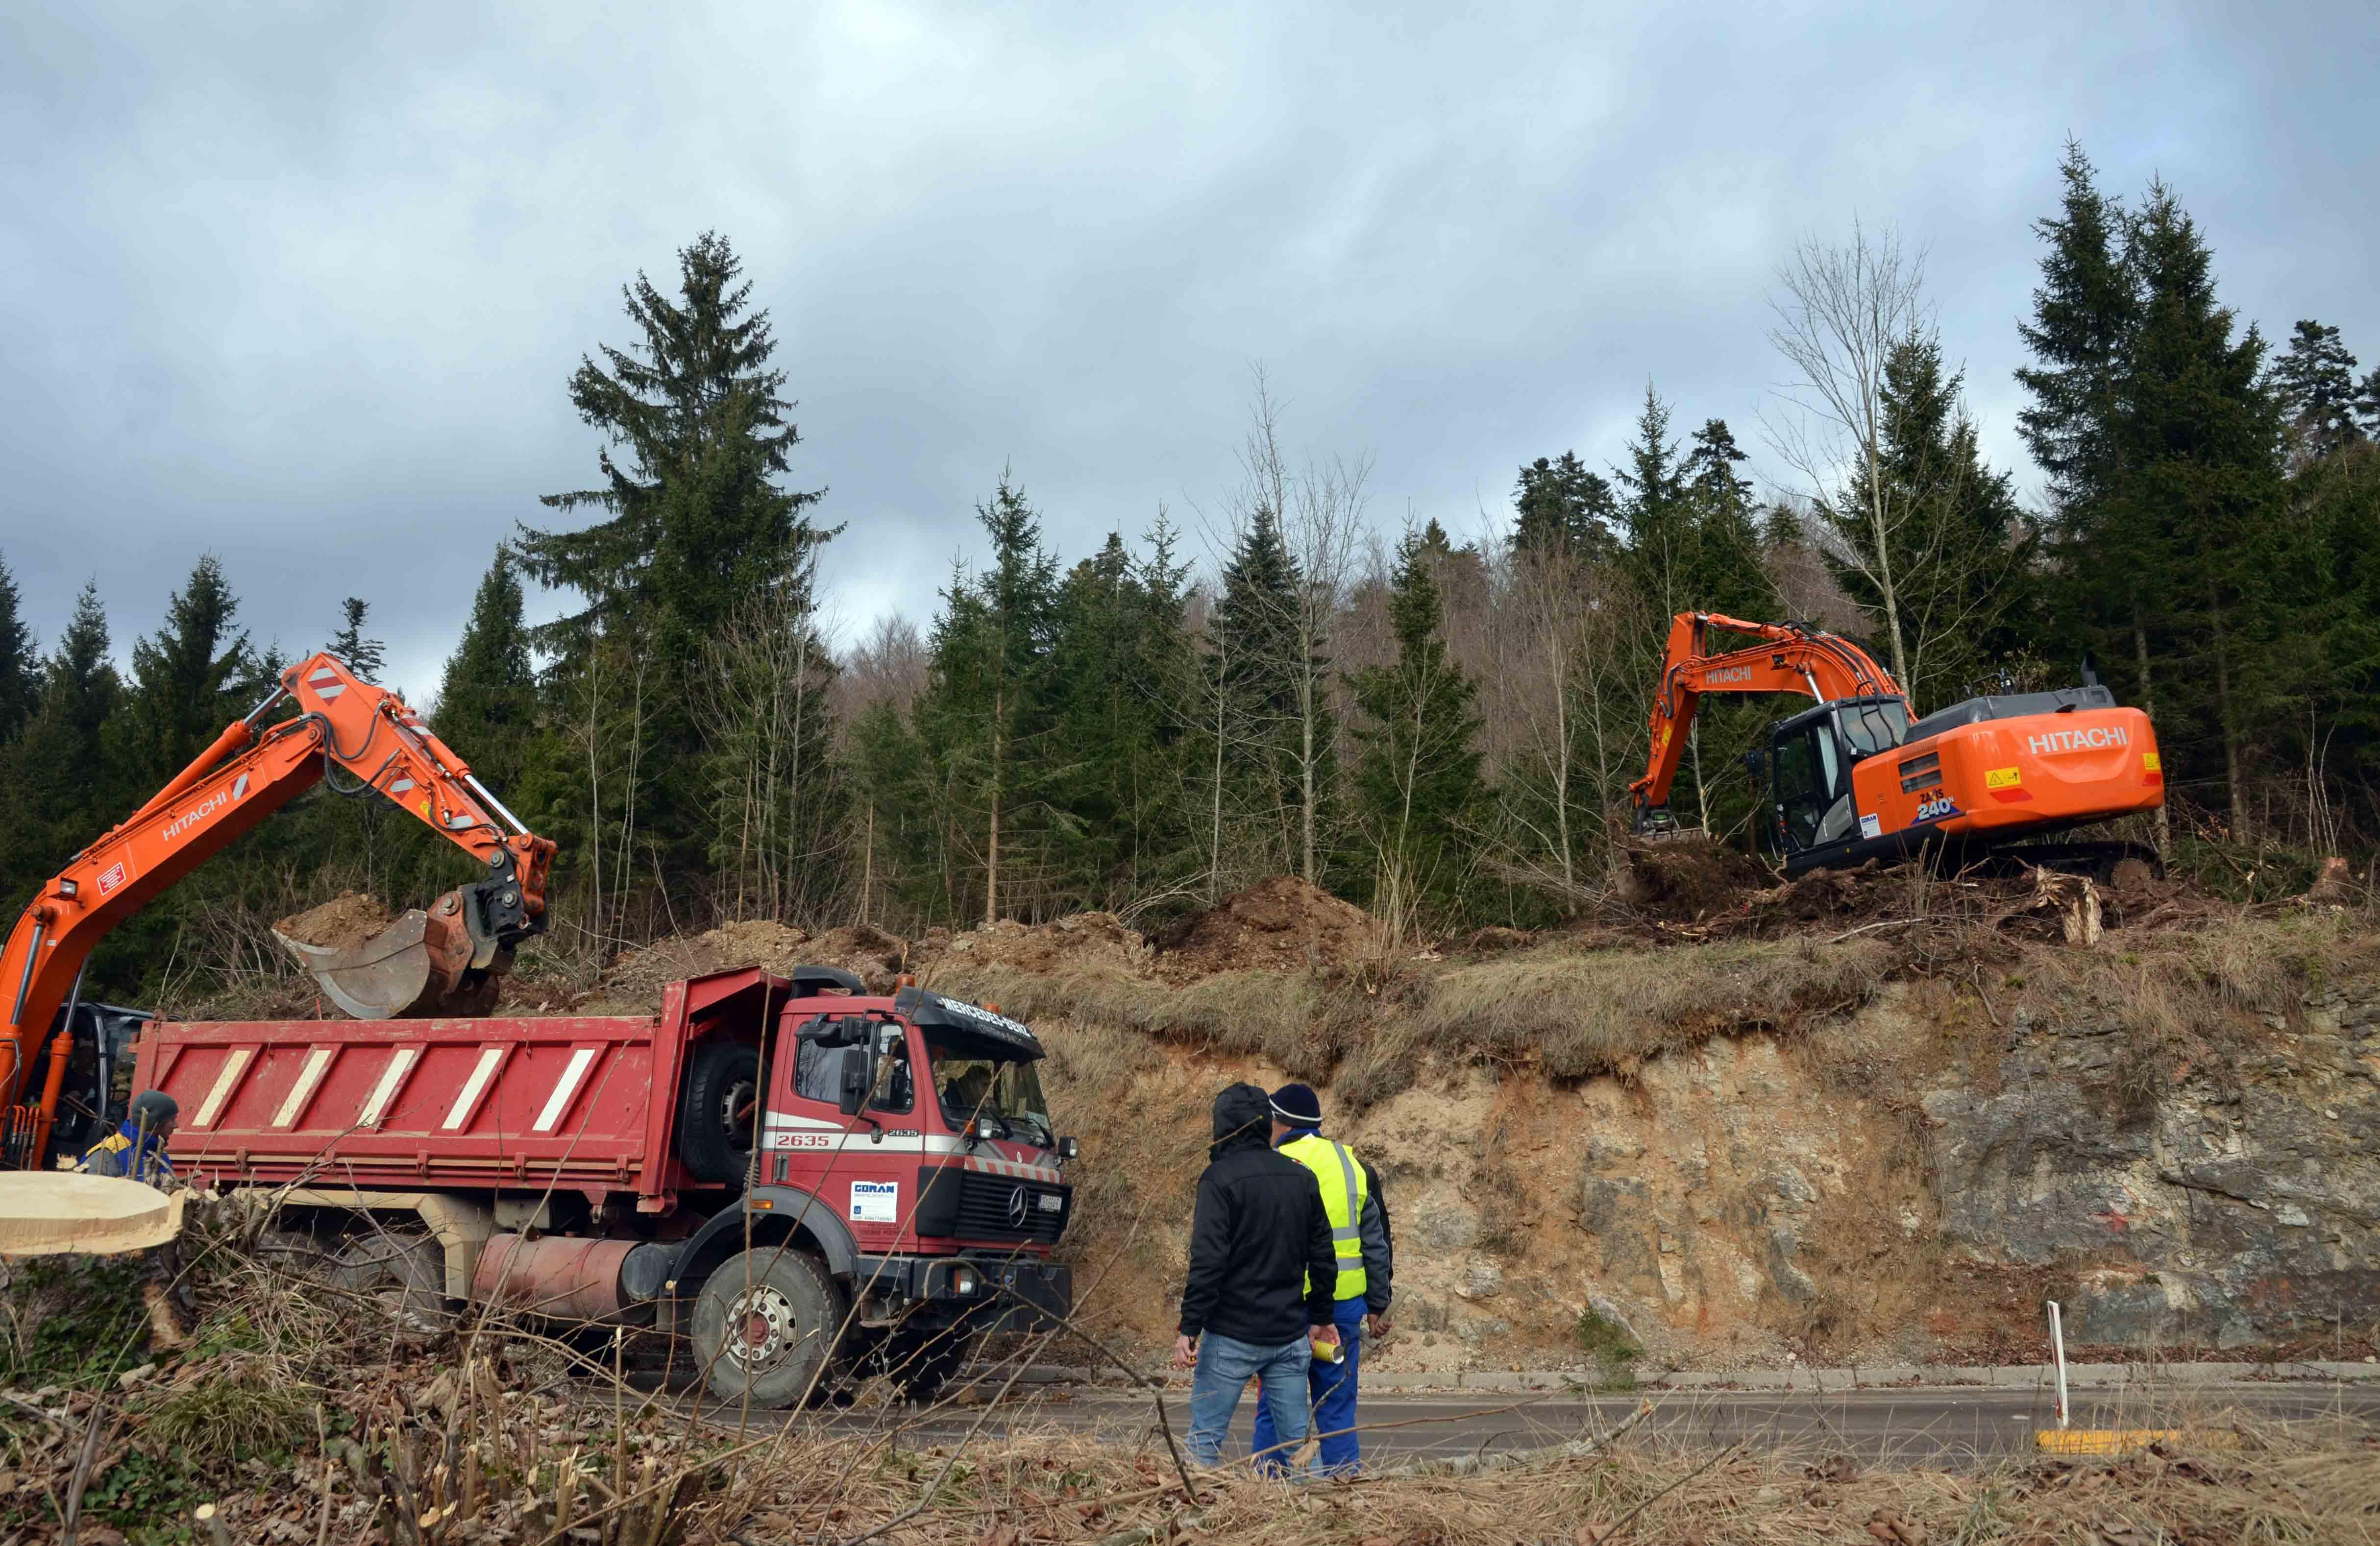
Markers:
1331,1387
1224,1368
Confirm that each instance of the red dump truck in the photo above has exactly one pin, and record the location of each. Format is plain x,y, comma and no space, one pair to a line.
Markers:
799,1174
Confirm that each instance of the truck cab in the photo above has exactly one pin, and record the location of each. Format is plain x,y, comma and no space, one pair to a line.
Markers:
902,1144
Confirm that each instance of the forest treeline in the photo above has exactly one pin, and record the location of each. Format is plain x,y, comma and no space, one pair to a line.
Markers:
1439,725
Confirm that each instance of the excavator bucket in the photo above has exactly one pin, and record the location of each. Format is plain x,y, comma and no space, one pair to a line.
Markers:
418,968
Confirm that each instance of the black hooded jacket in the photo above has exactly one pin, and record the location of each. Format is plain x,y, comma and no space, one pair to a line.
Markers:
1259,1237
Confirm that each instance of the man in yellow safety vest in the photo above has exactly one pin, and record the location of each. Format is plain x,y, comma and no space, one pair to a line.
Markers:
1364,1250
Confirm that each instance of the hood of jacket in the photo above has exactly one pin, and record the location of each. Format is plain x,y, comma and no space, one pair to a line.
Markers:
1243,1120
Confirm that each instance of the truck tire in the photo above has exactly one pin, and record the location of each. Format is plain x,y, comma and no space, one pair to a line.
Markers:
720,1111
765,1325
408,1271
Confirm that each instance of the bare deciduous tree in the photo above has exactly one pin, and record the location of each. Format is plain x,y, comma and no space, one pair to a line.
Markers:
1846,308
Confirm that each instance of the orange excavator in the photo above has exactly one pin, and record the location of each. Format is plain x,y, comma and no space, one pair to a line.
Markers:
446,960
1859,777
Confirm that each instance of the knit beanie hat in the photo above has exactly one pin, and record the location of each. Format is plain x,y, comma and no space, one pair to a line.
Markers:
1298,1105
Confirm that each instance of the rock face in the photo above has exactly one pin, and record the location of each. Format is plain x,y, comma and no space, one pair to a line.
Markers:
2229,1215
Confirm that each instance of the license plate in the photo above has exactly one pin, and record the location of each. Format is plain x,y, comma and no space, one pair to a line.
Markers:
1051,1201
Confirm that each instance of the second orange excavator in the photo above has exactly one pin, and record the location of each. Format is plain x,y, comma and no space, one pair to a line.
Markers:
1858,776
443,960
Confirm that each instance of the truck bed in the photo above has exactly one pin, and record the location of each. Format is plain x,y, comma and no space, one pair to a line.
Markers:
510,1103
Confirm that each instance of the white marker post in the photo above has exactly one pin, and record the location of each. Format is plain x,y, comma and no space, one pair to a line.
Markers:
2057,1357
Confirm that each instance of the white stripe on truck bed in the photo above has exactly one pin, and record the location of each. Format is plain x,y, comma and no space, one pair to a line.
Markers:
226,1082
567,1087
486,1071
318,1062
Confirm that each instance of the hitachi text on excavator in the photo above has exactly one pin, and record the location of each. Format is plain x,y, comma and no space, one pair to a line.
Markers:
444,960
1859,777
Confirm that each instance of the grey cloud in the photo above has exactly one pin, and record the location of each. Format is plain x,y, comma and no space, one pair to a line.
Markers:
303,288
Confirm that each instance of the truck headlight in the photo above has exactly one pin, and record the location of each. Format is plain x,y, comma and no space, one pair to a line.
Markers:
964,1282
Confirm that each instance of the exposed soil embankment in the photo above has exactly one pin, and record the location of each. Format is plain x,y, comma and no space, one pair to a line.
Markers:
1853,1117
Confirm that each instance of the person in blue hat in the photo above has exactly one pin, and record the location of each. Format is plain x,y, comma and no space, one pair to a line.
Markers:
1364,1251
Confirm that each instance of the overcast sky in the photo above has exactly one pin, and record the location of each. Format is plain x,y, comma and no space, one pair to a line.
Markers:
302,285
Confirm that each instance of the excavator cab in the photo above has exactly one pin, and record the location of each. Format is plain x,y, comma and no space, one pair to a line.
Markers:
1809,763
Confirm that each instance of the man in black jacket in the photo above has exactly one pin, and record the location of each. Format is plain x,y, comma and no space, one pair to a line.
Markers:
1261,1275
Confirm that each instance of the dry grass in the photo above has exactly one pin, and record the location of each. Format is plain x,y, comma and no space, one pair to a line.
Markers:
379,1435
1582,1014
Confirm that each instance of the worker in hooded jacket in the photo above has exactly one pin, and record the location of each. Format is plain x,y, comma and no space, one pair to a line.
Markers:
1256,1301
1363,1257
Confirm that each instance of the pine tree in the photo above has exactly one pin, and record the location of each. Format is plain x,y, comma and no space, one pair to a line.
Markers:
1416,781
2367,404
187,679
359,654
487,699
1559,503
2315,381
20,681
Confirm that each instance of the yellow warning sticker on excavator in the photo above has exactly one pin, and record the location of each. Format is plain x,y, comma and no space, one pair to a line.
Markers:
2149,763
2002,778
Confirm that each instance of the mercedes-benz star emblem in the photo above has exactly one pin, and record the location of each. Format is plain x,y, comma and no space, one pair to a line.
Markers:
1017,1209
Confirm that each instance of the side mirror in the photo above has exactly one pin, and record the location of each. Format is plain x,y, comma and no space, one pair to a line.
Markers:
1756,763
856,1079
1068,1148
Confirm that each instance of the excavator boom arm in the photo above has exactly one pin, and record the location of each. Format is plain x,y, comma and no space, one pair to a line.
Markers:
244,777
1790,658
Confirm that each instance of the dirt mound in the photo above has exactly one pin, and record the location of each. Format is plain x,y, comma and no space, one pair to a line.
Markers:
1685,880
1078,940
638,976
340,924
1282,924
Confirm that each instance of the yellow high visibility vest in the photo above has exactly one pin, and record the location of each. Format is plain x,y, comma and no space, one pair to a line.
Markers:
1343,1190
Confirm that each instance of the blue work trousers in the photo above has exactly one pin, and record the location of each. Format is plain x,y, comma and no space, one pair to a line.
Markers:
1224,1368
1331,1389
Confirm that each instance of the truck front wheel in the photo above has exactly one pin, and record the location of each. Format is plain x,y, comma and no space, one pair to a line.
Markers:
765,1325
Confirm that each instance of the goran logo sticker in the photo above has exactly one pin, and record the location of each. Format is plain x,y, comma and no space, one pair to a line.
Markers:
1870,827
1937,808
875,1201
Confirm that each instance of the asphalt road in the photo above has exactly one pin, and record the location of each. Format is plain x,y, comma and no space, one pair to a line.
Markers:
1939,1426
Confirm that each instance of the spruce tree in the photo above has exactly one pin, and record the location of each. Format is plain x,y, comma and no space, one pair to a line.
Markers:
1727,572
487,699
2082,315
985,709
693,525
189,678
19,664
65,791
1256,659
1657,511
359,654
1961,551
1559,505
2316,380
2201,441
1417,783
2106,571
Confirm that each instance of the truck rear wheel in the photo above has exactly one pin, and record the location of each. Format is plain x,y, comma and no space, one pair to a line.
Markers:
764,1325
721,1111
